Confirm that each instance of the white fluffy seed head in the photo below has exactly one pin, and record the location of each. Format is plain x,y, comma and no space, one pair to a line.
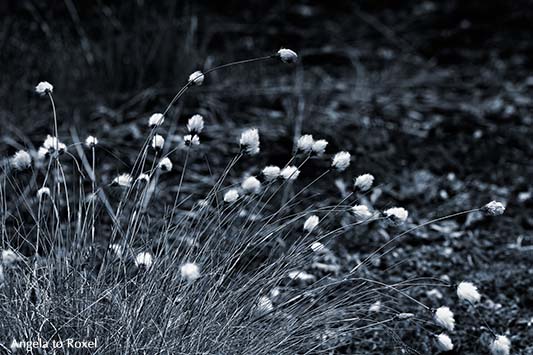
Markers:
190,271
310,223
144,259
158,142
364,182
341,161
251,185
197,78
91,142
44,87
156,119
444,343
250,141
305,143
501,345
317,247
467,291
271,172
191,140
319,146
144,178
51,142
290,173
21,160
288,56
231,196
361,212
42,192
123,180
195,124
165,164
494,208
444,318
397,215
264,305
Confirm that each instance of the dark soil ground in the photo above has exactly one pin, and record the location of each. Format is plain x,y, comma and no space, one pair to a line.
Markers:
434,99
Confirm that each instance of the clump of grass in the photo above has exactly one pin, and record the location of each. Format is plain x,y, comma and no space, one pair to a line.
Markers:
141,266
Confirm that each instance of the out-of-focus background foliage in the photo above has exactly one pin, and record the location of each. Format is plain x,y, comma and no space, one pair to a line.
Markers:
432,97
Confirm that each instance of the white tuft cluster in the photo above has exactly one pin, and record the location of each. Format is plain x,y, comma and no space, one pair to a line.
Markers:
501,345
251,185
123,180
467,291
310,223
317,247
444,318
42,192
158,142
444,343
155,120
165,164
143,178
319,146
190,271
144,259
21,160
91,142
287,56
271,172
364,182
397,215
494,208
264,306
361,212
50,144
231,196
44,87
341,161
305,143
250,141
191,140
290,173
195,124
197,78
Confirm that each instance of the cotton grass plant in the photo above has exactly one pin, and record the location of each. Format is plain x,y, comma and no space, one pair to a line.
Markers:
146,269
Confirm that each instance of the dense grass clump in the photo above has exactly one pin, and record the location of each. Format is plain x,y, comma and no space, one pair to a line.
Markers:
249,266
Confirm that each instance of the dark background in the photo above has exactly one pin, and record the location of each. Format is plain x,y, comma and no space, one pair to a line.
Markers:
433,98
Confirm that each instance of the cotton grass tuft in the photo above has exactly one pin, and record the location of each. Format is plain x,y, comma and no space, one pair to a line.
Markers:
156,119
341,161
21,160
364,182
250,141
311,223
501,345
397,215
290,173
287,56
444,318
251,185
44,87
165,164
319,146
42,192
305,143
190,271
91,142
271,172
195,124
197,78
494,208
467,291
144,260
231,196
444,343
123,180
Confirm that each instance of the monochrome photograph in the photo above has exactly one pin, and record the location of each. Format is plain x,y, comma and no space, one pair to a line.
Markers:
266,177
